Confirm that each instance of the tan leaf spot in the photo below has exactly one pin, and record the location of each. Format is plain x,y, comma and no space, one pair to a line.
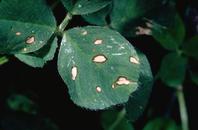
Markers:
99,59
74,72
123,81
18,33
84,33
98,89
30,40
134,60
98,42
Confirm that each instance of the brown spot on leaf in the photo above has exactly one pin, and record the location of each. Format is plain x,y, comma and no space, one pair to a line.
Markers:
134,60
98,42
30,40
99,58
143,31
84,33
74,72
18,33
98,89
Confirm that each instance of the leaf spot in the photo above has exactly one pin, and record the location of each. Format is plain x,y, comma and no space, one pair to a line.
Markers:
123,81
18,33
98,42
98,89
134,60
24,49
30,40
74,72
84,33
99,59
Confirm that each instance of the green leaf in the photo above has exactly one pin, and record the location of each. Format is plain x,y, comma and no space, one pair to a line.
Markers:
3,60
100,67
26,25
170,37
81,7
99,17
40,57
172,70
138,100
19,102
127,14
161,124
115,120
190,47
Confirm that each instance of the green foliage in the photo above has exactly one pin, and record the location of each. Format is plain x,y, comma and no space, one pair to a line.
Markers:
41,56
92,61
21,103
25,27
99,66
81,7
3,60
139,98
161,124
170,37
115,120
173,68
99,17
190,47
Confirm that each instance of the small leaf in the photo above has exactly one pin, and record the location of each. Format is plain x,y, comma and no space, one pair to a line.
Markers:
40,57
115,120
81,7
99,17
161,124
127,14
138,100
169,37
3,60
18,102
100,67
25,25
190,47
172,70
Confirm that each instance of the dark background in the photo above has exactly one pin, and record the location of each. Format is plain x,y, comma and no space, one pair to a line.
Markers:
46,88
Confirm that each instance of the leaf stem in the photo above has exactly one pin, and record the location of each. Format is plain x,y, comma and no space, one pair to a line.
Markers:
183,109
119,118
65,22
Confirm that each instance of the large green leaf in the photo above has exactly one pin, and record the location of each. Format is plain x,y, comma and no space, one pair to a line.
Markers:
115,120
190,47
127,14
138,100
99,17
172,70
100,67
170,37
40,57
161,124
81,7
25,25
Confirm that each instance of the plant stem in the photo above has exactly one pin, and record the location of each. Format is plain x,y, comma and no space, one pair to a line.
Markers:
3,60
119,118
183,109
65,22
